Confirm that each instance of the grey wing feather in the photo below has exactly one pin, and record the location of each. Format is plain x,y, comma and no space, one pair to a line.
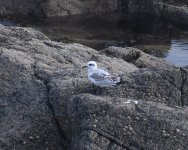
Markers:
100,71
99,77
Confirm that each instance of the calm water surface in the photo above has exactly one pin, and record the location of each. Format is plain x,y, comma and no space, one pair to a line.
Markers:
178,52
158,38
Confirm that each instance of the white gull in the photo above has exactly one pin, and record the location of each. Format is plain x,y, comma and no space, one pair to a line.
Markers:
100,77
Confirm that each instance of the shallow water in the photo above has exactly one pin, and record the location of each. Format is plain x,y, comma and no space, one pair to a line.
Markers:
178,52
8,22
159,38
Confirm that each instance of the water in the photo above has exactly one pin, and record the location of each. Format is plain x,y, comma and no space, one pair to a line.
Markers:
178,53
9,22
159,38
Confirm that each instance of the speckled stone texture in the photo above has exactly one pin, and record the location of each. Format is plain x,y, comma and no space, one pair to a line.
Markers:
46,101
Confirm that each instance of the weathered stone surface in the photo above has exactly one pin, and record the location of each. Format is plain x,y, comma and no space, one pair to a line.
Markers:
21,8
29,61
176,11
70,7
111,123
177,14
39,77
55,7
136,56
27,121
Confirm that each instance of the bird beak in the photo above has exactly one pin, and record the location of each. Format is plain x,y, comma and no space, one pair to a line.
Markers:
84,66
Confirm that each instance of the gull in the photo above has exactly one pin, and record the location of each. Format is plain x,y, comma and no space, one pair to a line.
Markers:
100,77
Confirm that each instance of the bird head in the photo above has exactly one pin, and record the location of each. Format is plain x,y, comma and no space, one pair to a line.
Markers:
91,65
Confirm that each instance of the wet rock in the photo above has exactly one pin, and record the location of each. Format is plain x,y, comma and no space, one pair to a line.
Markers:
41,8
135,56
176,11
21,8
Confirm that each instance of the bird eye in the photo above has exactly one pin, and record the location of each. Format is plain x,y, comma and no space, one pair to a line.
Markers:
90,64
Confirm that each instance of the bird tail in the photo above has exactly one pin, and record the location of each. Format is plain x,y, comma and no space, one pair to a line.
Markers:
116,80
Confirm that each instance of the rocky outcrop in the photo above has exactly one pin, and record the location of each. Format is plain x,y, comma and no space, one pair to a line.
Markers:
46,101
107,123
49,8
173,10
22,8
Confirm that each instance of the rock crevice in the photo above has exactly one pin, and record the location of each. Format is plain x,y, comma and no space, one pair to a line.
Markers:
64,141
184,96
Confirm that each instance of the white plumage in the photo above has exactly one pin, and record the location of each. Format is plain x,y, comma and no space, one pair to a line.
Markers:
100,77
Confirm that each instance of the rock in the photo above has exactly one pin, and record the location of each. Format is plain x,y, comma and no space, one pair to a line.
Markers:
30,66
136,56
177,14
186,67
21,8
27,112
176,11
41,8
156,128
151,79
70,7
39,77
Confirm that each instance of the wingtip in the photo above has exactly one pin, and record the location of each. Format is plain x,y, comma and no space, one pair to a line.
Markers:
117,81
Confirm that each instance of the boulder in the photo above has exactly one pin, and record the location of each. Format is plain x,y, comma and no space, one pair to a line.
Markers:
41,8
39,79
176,11
118,123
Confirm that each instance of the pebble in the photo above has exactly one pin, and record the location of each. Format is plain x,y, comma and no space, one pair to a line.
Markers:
126,127
130,128
137,118
96,120
31,137
24,142
46,142
178,130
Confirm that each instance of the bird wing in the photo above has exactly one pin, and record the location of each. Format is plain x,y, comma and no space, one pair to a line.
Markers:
100,75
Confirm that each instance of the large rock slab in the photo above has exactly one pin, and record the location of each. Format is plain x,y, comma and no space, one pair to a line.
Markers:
38,77
27,121
28,63
41,8
113,123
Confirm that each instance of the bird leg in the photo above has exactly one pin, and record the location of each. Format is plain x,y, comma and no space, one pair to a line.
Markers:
97,89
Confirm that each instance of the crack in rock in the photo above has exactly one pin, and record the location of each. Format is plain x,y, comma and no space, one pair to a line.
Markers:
184,78
108,136
65,140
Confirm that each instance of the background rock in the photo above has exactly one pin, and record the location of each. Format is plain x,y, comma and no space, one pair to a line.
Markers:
111,123
176,11
39,77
